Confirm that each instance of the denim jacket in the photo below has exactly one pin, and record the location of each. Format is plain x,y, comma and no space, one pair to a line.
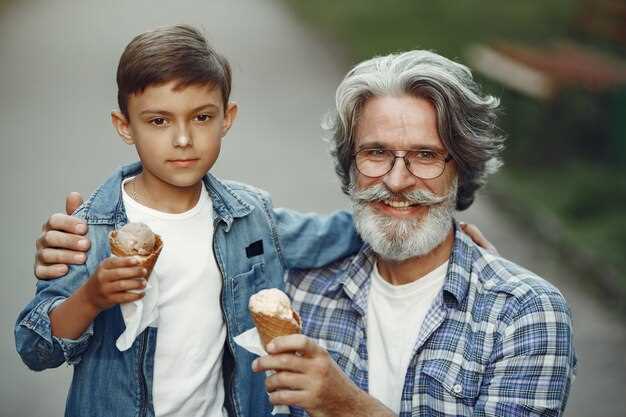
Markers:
253,244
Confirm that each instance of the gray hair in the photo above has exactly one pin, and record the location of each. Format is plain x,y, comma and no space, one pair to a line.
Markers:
465,118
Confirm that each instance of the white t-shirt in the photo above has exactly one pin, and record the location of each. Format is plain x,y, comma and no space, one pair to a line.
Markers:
394,317
191,333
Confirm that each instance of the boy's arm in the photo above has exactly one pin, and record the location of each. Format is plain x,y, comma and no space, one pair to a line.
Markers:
312,241
107,287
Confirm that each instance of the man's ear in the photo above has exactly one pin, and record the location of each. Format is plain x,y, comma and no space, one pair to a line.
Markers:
229,116
122,126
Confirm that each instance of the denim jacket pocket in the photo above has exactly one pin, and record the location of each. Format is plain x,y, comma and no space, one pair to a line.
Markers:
244,285
453,380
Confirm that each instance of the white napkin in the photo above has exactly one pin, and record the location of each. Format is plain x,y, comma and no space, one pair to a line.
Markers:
140,314
251,341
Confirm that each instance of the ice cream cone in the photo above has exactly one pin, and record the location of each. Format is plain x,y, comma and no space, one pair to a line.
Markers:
270,326
147,261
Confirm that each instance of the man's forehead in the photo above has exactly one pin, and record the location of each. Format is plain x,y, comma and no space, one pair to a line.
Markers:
404,121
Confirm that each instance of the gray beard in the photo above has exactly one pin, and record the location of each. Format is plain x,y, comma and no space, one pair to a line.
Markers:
400,239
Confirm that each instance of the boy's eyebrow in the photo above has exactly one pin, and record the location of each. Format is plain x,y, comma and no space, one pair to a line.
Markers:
167,113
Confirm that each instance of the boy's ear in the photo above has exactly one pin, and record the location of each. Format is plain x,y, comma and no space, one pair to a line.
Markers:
122,126
229,116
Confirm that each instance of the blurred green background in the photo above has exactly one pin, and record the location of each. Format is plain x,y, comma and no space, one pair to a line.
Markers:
566,156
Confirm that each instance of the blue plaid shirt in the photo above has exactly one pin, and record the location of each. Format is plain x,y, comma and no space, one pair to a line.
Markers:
497,340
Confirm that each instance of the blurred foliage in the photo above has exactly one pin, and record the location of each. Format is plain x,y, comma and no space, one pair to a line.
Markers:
567,156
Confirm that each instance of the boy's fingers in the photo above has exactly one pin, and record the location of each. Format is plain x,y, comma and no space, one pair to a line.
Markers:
122,285
114,262
50,271
116,274
65,223
126,297
72,202
477,236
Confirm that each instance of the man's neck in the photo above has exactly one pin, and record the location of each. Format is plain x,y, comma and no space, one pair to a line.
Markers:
412,269
166,199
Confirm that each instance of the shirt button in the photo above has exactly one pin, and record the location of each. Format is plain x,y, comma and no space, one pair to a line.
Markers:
457,388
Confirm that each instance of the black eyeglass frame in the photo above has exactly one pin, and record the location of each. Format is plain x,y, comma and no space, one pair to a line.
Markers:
407,164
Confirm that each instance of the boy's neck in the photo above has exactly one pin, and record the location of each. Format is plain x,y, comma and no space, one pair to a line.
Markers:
159,196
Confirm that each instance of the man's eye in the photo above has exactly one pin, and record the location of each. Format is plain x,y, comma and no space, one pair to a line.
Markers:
374,153
426,155
158,121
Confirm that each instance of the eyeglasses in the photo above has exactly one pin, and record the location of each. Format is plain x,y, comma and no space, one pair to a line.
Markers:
376,162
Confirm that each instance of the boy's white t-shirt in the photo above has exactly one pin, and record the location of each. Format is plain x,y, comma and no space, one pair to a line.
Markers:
395,314
188,378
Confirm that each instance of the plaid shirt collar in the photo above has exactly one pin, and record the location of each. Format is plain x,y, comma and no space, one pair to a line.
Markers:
356,280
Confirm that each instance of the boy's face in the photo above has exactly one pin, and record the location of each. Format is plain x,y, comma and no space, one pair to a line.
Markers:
177,133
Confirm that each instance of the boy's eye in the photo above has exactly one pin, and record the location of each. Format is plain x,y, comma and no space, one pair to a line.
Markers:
203,117
158,121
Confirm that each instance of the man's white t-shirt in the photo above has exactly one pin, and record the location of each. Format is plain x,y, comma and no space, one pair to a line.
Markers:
188,378
395,314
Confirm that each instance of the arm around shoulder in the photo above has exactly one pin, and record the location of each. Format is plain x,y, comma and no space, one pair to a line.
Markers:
312,240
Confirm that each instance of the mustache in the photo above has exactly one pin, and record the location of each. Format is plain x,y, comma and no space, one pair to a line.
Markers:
379,192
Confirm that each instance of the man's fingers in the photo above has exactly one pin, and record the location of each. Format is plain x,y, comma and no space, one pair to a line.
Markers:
280,362
72,202
63,240
288,397
49,256
478,238
292,343
50,271
66,223
286,380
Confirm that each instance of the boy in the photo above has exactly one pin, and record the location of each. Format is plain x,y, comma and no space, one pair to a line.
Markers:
222,243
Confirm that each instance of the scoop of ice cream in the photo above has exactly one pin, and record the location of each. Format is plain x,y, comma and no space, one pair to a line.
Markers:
271,302
136,238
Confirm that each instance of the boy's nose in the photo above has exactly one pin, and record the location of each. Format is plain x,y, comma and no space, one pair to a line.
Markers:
182,138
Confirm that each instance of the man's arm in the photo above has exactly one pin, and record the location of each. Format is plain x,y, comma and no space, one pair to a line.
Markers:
532,369
307,377
62,242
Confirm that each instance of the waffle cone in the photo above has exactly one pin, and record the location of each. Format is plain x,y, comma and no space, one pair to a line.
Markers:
146,261
270,327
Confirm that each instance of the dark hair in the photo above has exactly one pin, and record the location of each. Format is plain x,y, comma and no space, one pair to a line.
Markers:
465,118
179,53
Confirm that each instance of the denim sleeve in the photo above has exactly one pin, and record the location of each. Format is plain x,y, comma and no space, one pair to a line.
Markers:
532,368
34,341
312,241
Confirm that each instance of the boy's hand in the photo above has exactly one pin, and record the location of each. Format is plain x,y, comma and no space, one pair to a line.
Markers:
475,234
113,279
62,242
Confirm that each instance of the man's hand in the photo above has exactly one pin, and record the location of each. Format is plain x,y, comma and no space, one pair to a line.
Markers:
307,377
62,242
474,233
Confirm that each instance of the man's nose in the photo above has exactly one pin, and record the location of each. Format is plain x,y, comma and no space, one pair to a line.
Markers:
399,178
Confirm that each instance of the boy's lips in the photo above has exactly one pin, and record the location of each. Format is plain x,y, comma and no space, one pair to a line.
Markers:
182,163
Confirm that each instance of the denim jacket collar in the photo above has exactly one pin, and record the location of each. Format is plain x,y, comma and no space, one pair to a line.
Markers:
105,205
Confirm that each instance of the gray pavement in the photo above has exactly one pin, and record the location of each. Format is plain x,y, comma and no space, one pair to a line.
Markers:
57,61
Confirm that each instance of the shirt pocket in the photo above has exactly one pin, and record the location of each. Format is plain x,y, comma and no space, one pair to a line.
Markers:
451,382
244,285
